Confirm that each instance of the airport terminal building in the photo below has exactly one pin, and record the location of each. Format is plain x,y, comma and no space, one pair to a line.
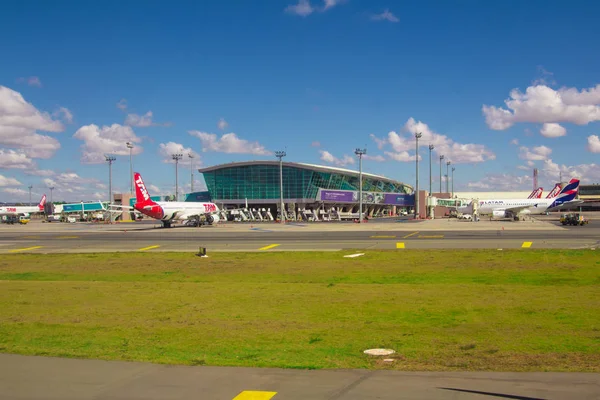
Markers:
310,192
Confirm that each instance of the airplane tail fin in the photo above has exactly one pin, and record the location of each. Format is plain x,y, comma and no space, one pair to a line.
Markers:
42,203
141,193
567,194
554,192
537,193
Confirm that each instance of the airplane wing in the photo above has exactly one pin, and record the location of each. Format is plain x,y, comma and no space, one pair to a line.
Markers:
518,209
567,205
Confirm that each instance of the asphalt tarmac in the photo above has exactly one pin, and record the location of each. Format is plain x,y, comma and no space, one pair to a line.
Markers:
37,378
61,238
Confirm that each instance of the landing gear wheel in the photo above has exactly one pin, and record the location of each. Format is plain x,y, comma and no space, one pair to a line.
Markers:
166,224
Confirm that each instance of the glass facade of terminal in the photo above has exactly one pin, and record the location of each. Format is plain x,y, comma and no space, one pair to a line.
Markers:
261,182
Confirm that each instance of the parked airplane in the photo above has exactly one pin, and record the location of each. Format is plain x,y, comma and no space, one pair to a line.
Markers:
516,207
554,192
169,211
536,194
23,210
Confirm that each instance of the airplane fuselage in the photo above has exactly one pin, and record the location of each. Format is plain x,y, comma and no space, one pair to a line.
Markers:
19,210
175,210
533,206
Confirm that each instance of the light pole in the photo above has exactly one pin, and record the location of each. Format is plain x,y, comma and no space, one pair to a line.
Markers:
30,187
109,160
51,201
431,147
360,153
280,155
191,156
130,147
417,137
447,167
441,158
177,157
453,181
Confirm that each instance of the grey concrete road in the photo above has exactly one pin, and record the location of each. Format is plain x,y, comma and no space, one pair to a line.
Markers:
37,378
58,238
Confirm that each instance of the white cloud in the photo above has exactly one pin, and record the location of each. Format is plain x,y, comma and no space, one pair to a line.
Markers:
545,77
377,158
594,144
402,156
303,8
222,124
552,130
66,114
331,159
31,81
515,142
456,152
538,153
122,104
39,172
478,185
503,182
19,123
315,144
166,150
589,173
106,140
331,3
143,121
542,104
4,181
15,159
385,16
16,192
228,143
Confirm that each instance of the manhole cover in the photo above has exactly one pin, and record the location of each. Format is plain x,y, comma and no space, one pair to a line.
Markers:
379,352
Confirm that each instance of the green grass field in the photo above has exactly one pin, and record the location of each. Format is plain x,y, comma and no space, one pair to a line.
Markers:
532,310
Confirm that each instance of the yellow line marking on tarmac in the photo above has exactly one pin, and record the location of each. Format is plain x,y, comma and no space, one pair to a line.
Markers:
253,395
149,248
30,237
269,247
400,245
409,235
68,237
26,248
527,244
431,236
383,237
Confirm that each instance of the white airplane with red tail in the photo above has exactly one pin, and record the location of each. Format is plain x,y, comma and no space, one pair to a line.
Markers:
24,210
169,211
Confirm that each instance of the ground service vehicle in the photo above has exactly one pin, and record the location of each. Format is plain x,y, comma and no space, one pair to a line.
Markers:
573,219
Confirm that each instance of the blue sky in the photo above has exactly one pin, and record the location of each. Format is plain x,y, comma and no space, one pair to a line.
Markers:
317,78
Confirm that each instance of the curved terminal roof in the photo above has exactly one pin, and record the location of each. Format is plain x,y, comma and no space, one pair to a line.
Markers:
312,167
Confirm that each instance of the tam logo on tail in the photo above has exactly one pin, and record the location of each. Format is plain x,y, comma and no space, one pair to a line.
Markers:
141,193
42,202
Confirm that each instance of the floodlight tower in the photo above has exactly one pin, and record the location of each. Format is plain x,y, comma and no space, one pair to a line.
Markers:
431,147
447,168
191,156
130,147
280,155
360,153
441,159
453,181
177,157
418,135
109,160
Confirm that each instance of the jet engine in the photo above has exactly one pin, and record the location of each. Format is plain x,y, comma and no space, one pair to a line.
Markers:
500,214
212,219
